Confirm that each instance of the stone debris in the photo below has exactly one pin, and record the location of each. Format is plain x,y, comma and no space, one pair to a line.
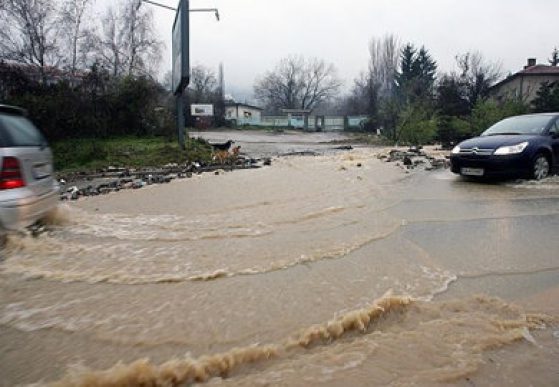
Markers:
416,157
113,179
300,153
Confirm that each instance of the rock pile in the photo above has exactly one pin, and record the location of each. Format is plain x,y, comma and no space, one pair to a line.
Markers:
114,179
415,157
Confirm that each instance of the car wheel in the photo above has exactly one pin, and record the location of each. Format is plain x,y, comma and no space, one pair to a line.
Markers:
540,167
3,242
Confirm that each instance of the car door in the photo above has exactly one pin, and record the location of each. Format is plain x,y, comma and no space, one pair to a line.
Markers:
554,132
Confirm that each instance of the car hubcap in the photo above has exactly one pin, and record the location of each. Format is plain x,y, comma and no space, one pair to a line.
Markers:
541,168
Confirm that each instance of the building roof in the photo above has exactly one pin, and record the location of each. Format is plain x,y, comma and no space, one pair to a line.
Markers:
537,70
540,70
238,104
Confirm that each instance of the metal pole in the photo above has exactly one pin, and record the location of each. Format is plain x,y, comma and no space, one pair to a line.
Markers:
185,36
181,124
159,5
214,10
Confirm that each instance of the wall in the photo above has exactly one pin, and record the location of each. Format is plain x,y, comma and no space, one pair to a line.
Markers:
330,123
524,87
245,116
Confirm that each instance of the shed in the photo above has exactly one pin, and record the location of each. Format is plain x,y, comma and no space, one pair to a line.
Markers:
243,114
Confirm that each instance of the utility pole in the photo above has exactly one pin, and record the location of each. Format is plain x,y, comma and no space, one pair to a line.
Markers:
181,56
220,103
181,65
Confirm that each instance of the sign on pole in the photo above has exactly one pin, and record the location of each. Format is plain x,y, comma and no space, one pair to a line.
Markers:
181,62
201,110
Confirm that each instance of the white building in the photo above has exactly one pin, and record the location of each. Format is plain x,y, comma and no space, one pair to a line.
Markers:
243,114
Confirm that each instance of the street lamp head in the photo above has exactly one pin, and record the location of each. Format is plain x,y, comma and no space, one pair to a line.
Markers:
217,14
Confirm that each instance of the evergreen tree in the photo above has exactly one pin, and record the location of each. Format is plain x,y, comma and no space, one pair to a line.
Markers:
416,76
407,65
547,98
554,60
451,97
425,71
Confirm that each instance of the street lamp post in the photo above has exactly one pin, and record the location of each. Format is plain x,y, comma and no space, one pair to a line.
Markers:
181,56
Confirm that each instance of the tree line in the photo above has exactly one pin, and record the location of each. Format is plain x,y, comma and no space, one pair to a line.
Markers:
86,75
403,93
82,78
63,34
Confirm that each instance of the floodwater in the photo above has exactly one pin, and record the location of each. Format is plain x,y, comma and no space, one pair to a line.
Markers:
337,269
268,144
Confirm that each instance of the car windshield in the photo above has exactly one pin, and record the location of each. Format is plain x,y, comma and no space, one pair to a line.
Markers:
519,125
18,131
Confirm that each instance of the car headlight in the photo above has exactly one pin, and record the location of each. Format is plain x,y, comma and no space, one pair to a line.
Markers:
512,149
455,150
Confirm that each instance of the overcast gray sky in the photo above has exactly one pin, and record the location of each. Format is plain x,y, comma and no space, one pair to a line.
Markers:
254,34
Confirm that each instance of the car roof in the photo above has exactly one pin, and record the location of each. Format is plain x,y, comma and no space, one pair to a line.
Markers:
12,110
551,114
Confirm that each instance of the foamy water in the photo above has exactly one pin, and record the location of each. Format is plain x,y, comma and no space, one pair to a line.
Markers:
280,276
217,241
458,334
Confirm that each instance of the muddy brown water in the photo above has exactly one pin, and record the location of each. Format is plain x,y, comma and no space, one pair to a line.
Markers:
311,272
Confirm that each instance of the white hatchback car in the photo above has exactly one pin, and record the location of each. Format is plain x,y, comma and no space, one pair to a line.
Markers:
28,189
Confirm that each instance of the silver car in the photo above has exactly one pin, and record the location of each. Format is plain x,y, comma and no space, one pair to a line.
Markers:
28,189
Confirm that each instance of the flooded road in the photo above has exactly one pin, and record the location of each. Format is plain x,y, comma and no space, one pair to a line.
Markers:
337,269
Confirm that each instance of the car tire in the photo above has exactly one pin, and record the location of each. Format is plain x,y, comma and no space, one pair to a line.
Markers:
3,242
540,167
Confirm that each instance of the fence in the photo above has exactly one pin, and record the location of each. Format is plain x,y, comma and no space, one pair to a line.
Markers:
326,123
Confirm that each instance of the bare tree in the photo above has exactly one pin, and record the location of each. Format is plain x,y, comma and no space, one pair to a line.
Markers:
297,83
363,97
320,83
110,41
203,84
142,47
167,80
377,84
384,55
477,75
29,33
72,18
279,88
127,42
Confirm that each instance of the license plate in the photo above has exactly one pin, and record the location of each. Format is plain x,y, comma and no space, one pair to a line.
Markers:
472,171
42,171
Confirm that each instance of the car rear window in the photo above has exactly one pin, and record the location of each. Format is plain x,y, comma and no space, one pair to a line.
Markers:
18,131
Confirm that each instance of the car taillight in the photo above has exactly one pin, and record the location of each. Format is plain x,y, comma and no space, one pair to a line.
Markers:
10,175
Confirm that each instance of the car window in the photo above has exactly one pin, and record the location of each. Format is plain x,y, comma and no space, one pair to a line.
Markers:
554,128
18,131
519,125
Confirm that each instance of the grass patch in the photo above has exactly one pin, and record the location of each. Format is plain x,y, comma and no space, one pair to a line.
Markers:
92,154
